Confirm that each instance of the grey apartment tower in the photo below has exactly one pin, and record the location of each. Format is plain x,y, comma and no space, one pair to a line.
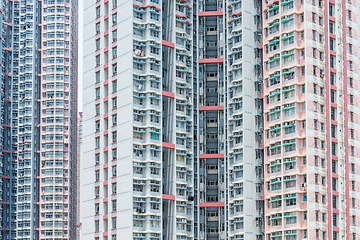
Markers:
172,120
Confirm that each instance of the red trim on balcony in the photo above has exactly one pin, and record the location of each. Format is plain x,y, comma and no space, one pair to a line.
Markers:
168,145
106,82
106,16
106,49
106,149
7,177
208,156
106,33
9,100
5,151
105,199
211,60
168,44
105,216
211,14
106,132
8,229
181,16
168,94
106,99
6,203
6,125
105,183
105,234
106,165
106,65
106,115
212,204
168,197
237,13
146,6
211,108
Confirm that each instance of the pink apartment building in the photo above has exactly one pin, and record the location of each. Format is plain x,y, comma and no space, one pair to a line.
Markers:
58,159
311,106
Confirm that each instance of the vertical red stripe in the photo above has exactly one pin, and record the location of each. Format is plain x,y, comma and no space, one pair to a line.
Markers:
328,120
346,120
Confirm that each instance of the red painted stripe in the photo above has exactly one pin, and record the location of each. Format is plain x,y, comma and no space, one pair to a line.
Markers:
168,94
181,16
168,145
168,44
347,180
211,14
207,156
211,108
168,197
237,13
211,60
212,204
328,120
146,6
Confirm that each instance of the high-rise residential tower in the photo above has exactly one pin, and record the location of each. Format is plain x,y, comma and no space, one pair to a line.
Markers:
58,120
39,119
311,105
172,120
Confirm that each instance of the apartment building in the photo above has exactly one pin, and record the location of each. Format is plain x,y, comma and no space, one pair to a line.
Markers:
37,92
311,111
58,159
79,160
7,163
172,120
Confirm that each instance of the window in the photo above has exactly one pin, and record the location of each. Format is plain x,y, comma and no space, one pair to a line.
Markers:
113,171
97,28
97,76
113,223
114,119
98,12
97,226
97,43
114,69
114,52
113,188
313,17
114,34
114,102
97,60
114,3
114,137
114,18
113,206
97,142
114,153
